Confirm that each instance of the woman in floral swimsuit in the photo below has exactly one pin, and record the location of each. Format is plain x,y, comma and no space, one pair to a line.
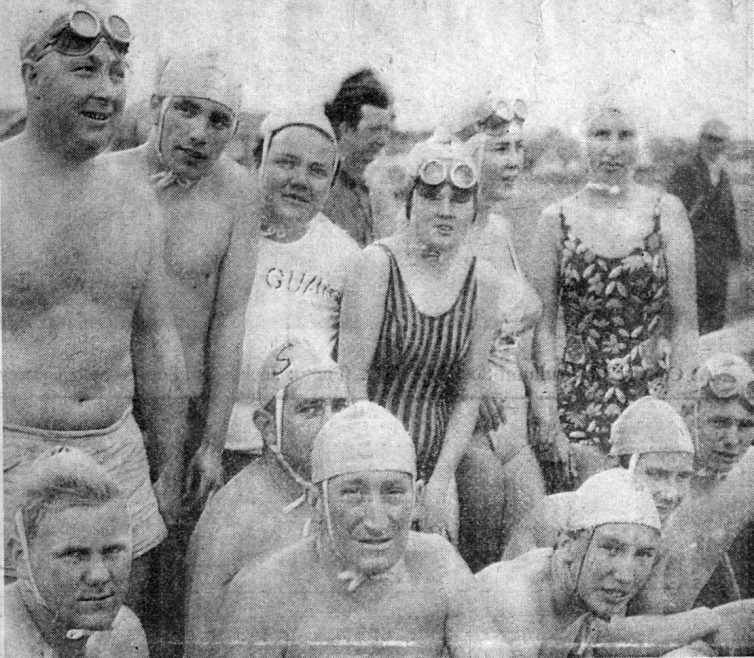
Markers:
617,259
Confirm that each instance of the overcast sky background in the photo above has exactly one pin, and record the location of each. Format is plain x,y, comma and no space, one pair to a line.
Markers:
676,61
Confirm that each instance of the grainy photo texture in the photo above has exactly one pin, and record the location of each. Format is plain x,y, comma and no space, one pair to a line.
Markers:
377,328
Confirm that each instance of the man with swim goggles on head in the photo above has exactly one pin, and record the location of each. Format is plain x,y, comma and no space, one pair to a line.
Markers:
85,309
262,509
362,583
709,537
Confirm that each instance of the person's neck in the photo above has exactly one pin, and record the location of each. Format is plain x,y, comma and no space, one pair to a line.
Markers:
44,145
610,191
284,229
155,163
285,475
353,172
425,255
50,628
490,205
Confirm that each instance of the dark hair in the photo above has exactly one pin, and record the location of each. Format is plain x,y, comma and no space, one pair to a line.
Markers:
360,88
624,460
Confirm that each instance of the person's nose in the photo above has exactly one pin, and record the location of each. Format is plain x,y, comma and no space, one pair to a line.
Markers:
105,89
375,518
97,572
198,130
623,568
446,207
328,411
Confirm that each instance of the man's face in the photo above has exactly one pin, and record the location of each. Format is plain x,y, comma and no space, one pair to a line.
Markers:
81,558
726,431
712,146
298,173
360,145
612,148
82,97
371,516
618,562
309,403
194,133
667,475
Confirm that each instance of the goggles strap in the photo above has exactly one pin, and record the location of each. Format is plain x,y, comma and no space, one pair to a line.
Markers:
633,462
21,531
583,558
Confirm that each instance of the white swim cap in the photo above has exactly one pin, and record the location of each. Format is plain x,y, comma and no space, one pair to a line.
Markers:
725,376
363,437
492,104
207,74
440,146
612,496
290,361
649,425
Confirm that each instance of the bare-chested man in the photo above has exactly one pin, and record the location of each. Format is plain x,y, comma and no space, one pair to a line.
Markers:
210,246
85,309
263,508
574,597
363,583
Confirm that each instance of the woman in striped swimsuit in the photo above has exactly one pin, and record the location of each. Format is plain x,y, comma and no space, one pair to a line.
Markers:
417,322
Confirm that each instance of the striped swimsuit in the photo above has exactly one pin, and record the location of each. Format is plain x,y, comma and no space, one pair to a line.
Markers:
417,363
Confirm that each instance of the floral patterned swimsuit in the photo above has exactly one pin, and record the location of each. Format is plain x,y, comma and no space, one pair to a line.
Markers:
613,309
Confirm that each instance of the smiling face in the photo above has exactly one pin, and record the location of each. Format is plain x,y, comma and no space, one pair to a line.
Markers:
78,99
612,148
502,160
667,475
309,403
441,215
297,173
617,563
371,513
193,134
81,559
726,431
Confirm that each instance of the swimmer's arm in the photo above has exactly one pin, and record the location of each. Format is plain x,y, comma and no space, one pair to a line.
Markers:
361,315
469,629
683,331
654,635
226,334
160,372
253,616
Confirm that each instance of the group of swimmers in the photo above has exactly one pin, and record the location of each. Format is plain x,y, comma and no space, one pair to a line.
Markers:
166,310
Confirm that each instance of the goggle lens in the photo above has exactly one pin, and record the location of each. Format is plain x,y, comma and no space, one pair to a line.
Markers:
119,30
463,176
433,173
84,24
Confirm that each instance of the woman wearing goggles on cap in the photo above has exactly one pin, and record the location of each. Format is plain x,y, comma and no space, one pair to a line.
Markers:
615,257
415,326
499,479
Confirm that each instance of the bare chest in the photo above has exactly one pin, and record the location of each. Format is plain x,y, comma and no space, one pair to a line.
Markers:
198,233
59,242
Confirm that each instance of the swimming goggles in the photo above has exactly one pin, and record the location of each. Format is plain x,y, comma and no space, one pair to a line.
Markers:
436,172
78,34
726,385
507,111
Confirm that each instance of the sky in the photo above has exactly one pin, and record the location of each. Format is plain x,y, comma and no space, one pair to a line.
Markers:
673,62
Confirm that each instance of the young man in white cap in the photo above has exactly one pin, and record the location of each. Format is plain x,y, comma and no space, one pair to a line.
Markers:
263,508
72,543
303,257
572,599
362,582
85,306
649,438
707,540
210,241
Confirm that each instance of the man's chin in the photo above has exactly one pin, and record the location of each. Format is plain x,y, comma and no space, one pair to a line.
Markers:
100,620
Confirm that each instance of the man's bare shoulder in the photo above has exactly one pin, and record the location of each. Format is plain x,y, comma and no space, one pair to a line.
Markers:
514,582
432,552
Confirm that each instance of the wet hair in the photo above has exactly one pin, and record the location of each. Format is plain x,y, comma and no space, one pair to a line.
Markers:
67,478
358,89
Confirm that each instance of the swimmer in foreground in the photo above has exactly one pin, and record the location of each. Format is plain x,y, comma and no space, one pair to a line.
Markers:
263,508
72,544
86,310
573,597
362,583
651,439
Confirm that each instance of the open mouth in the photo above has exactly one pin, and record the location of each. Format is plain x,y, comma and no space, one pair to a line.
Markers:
612,166
376,542
614,595
295,197
96,598
101,117
444,229
727,457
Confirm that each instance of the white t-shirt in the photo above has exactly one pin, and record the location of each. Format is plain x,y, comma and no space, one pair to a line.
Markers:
297,291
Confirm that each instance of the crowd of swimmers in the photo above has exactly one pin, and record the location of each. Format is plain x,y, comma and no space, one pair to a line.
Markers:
319,407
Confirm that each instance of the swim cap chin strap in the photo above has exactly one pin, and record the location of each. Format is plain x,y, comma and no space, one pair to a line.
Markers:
71,633
168,177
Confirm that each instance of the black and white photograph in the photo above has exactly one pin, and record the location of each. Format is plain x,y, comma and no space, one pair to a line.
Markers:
397,328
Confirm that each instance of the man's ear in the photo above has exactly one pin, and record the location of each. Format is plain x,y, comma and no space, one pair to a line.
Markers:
155,104
265,423
566,543
15,549
30,74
